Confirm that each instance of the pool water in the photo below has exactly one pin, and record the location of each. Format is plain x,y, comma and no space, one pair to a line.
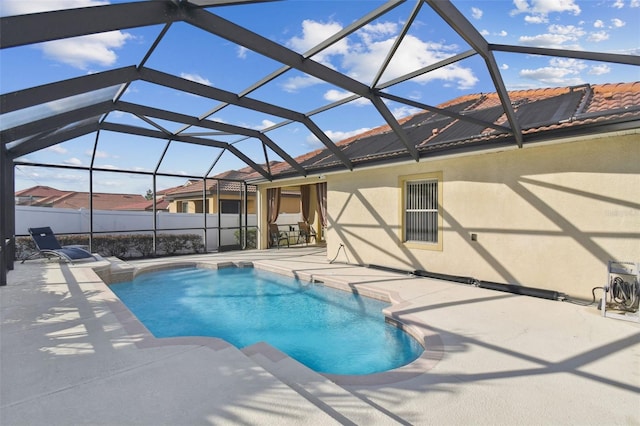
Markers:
328,330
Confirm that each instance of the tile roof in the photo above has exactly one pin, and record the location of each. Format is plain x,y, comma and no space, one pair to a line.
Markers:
540,113
39,191
51,197
195,187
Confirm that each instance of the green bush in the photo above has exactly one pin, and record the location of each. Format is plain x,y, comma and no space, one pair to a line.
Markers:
172,244
143,244
123,246
251,238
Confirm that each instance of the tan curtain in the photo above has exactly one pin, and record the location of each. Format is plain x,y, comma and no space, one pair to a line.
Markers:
321,193
273,204
305,204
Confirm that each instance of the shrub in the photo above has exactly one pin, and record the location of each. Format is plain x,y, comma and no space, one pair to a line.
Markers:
251,238
171,244
124,246
143,244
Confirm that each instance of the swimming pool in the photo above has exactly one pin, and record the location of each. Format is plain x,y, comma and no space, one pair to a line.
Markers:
328,330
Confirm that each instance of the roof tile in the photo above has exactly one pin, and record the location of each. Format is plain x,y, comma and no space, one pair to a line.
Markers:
540,111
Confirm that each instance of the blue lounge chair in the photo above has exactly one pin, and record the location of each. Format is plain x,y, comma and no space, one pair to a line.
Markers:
48,245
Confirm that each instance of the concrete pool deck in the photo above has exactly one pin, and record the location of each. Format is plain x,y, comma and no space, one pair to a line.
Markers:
71,353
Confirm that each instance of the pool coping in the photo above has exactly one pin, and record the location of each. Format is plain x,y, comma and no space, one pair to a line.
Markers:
431,341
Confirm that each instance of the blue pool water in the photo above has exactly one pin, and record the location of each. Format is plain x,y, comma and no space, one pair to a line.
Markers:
328,330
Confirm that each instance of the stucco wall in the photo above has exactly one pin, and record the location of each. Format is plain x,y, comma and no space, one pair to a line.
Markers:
547,216
195,203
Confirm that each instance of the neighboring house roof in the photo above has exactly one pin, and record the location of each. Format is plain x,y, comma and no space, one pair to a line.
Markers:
39,191
163,192
147,205
543,114
194,187
51,197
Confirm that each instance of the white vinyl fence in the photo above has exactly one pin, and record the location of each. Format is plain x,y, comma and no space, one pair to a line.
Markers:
67,221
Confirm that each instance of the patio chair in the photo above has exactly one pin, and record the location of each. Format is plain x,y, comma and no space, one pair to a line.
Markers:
48,245
306,233
275,235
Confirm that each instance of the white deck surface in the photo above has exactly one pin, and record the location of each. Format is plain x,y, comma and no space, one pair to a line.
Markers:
72,354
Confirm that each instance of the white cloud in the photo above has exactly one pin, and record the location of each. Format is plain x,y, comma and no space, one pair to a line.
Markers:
334,95
404,111
476,13
378,31
558,37
412,54
618,23
634,3
242,52
598,36
537,11
265,124
600,69
57,149
544,7
294,84
561,71
598,23
314,33
484,32
140,169
570,30
556,41
196,78
335,136
80,52
415,95
73,161
361,56
502,33
539,19
21,7
618,4
99,154
504,67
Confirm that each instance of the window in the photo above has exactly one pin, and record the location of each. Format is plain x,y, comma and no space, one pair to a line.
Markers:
421,221
229,206
184,206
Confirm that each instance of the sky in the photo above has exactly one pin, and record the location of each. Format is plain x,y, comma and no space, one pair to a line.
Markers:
611,26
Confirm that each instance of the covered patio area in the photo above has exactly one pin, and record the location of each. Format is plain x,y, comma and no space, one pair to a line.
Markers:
73,354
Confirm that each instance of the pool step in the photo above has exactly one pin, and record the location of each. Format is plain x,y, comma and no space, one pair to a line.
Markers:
113,270
333,399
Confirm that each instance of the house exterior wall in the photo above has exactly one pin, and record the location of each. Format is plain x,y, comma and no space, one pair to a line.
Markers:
547,216
194,203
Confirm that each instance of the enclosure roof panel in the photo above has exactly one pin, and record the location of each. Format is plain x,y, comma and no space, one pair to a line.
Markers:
317,85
